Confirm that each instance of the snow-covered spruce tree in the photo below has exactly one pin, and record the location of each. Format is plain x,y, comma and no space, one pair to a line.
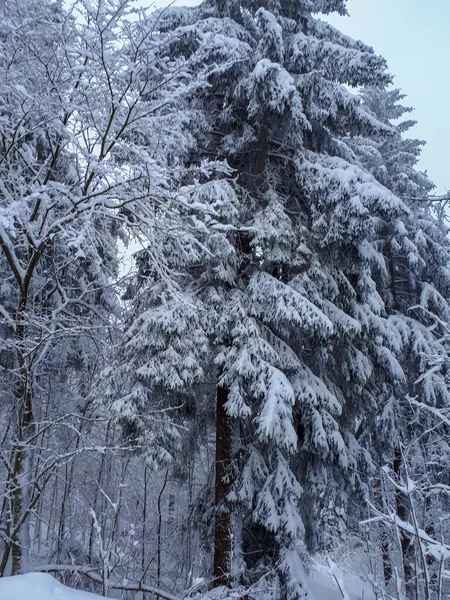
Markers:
161,353
151,386
78,103
415,292
292,294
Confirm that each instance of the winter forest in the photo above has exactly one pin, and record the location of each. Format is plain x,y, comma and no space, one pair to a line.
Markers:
224,307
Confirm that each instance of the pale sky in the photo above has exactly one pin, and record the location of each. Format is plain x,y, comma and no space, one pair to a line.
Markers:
414,37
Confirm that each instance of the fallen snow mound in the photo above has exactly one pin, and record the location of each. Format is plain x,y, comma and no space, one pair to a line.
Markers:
39,586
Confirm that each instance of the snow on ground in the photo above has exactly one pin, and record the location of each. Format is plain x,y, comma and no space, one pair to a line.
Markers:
324,585
40,586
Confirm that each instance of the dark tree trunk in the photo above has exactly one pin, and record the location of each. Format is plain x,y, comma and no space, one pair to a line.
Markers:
406,542
384,542
222,525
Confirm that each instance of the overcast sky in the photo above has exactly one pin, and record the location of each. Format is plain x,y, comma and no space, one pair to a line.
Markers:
414,37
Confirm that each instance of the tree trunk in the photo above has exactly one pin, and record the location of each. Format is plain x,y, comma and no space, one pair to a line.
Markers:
21,453
222,525
159,530
406,543
378,493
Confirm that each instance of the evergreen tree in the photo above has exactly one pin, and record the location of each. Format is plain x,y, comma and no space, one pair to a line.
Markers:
415,292
293,289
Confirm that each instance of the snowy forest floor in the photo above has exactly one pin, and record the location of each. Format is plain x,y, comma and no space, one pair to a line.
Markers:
40,586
